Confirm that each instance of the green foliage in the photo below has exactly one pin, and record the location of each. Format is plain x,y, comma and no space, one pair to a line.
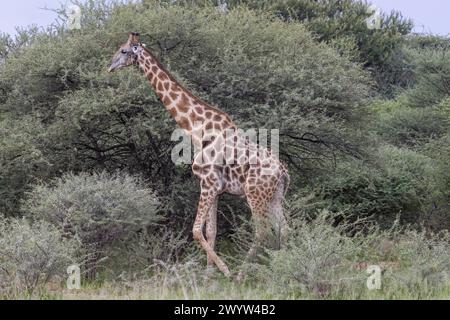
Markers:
439,150
425,258
21,160
31,255
148,252
432,78
412,127
323,258
314,257
428,41
294,65
97,209
401,181
341,21
23,37
245,62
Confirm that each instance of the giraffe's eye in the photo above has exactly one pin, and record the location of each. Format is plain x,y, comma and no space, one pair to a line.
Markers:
124,51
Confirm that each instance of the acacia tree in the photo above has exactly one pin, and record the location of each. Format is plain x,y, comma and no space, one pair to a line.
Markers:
245,62
343,23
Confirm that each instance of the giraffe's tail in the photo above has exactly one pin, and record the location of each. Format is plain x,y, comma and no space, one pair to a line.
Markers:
276,204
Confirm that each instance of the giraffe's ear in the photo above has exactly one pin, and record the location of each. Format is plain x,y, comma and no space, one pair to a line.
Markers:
134,38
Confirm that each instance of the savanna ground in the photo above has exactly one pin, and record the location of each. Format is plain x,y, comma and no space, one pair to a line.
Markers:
86,176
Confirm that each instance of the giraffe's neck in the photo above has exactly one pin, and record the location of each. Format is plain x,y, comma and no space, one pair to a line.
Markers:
187,110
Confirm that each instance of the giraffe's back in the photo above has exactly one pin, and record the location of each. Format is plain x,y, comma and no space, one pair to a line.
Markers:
238,166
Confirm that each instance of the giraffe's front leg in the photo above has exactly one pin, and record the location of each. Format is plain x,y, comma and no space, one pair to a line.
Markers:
207,201
211,229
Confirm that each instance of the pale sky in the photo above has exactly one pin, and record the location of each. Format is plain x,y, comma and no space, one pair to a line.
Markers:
430,16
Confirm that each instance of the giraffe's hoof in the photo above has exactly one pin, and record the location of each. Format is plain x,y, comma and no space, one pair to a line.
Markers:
239,278
227,274
225,271
210,271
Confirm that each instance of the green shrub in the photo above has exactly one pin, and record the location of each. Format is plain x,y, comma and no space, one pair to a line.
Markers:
315,257
21,160
424,257
432,74
439,150
147,251
444,106
400,181
412,127
328,256
98,209
31,255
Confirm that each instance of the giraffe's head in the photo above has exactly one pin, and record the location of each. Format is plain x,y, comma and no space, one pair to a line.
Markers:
127,53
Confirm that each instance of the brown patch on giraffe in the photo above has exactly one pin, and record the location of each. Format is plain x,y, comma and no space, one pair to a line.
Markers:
198,118
166,85
209,126
208,114
160,86
155,69
183,105
166,100
173,112
163,76
205,143
205,169
175,87
173,95
228,123
217,117
199,109
160,95
185,124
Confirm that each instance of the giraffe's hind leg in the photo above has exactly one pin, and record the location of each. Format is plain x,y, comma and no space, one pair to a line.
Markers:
259,216
211,229
260,210
267,215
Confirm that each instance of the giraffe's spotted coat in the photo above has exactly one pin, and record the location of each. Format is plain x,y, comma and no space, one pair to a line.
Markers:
227,161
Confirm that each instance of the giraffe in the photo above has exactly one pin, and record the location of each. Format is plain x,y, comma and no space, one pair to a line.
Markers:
227,161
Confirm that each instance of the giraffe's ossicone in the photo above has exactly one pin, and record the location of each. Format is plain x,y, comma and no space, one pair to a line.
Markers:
226,160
